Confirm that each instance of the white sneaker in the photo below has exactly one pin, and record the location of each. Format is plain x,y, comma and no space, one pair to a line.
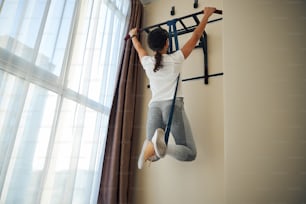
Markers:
147,153
141,159
158,141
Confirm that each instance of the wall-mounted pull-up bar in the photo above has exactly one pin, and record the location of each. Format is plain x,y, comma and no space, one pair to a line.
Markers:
190,28
174,33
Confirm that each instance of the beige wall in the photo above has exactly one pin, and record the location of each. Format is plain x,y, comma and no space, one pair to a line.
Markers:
249,125
265,101
169,181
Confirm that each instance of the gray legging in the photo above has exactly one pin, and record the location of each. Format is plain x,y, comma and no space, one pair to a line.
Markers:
184,148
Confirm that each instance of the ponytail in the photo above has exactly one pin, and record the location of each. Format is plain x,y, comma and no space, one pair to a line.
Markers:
158,59
157,40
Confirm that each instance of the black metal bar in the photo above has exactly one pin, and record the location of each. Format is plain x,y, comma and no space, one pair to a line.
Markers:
147,30
201,77
191,28
195,4
198,13
214,20
182,23
165,23
196,19
204,41
191,15
198,77
170,48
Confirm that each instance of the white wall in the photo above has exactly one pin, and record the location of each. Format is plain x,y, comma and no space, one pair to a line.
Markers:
201,181
265,101
250,124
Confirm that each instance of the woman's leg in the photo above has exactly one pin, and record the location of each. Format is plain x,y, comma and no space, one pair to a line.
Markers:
184,148
154,119
153,122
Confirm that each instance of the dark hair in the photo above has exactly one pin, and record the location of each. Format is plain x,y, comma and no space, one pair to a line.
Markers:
157,39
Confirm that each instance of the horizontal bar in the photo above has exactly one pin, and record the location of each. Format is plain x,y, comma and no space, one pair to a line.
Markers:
202,77
191,28
201,12
199,77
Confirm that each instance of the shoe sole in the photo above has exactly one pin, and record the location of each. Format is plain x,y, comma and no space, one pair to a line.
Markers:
141,159
159,142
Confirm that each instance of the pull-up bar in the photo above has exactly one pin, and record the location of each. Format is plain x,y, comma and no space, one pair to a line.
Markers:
174,33
188,29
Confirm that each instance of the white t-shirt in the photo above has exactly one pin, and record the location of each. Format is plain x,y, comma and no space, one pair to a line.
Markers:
163,81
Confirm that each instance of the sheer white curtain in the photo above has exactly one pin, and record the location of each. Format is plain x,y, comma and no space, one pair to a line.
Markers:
58,66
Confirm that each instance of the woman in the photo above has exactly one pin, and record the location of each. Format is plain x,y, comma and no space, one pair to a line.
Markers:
162,70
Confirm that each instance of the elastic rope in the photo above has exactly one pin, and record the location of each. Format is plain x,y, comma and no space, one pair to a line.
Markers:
168,127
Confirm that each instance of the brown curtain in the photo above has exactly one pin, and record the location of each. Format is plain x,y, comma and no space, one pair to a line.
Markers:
119,166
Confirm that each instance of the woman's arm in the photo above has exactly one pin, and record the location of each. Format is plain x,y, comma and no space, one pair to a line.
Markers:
137,45
197,33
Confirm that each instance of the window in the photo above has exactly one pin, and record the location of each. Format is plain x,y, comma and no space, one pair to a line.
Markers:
59,61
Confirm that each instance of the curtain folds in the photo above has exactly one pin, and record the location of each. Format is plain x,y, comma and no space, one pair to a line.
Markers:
119,167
